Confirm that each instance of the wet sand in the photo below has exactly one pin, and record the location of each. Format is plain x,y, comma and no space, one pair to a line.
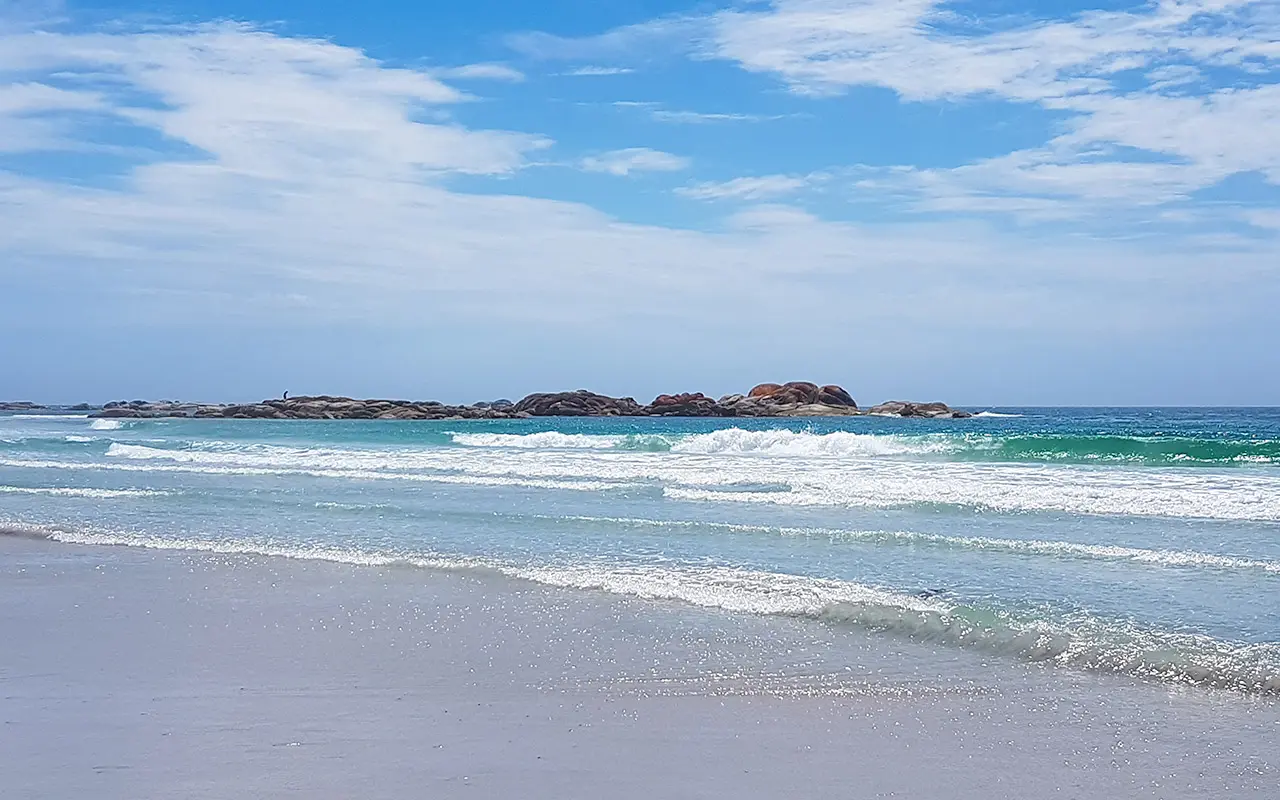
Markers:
129,673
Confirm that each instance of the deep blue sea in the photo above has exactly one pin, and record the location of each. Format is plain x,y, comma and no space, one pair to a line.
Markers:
1141,542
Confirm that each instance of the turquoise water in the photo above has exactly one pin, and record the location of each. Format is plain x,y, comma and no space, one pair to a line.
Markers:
1143,542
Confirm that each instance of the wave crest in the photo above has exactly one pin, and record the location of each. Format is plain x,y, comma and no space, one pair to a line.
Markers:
782,442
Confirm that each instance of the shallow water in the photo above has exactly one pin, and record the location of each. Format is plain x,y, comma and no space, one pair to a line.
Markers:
1144,542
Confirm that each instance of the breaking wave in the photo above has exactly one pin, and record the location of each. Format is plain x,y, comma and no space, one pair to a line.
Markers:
741,478
1148,450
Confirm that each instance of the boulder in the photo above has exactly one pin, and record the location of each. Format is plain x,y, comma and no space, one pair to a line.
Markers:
765,390
581,403
819,410
833,395
696,404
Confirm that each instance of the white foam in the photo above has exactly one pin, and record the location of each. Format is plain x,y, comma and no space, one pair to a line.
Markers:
809,480
355,506
107,424
99,494
45,416
995,414
1169,558
545,439
78,439
778,442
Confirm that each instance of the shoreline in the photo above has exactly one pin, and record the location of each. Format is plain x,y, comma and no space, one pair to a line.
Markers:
230,676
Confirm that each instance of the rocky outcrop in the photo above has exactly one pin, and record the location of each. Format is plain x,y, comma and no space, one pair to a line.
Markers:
899,408
764,390
795,399
318,407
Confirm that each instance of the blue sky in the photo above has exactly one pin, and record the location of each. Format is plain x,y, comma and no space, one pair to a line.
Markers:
982,202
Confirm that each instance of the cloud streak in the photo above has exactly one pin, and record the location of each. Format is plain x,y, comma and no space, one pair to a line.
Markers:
635,159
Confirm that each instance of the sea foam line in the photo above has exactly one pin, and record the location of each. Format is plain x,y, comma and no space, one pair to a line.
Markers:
465,480
44,416
1165,558
99,494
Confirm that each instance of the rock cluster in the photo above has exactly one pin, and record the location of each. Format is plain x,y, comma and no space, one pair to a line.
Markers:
796,399
318,407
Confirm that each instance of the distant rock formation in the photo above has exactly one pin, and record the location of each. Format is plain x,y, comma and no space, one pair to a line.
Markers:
795,399
21,406
899,408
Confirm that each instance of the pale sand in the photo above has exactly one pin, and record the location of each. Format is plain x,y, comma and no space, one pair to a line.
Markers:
127,673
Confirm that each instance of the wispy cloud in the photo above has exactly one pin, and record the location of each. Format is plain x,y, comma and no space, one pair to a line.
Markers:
591,71
283,106
822,46
645,40
702,117
634,159
487,71
657,113
747,188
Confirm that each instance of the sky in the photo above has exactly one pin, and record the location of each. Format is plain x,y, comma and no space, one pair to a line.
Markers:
982,202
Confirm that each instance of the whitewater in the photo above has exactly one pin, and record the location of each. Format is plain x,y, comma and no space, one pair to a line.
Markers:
1143,543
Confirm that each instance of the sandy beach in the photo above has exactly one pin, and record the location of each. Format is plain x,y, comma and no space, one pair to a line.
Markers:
127,673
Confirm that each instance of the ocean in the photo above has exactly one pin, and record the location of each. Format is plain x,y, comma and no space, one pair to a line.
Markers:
1118,543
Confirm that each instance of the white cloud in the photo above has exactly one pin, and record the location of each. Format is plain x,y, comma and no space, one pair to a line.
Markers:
591,71
747,188
659,114
823,46
33,116
667,35
489,72
700,117
1229,131
634,159
1264,218
263,104
1173,76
